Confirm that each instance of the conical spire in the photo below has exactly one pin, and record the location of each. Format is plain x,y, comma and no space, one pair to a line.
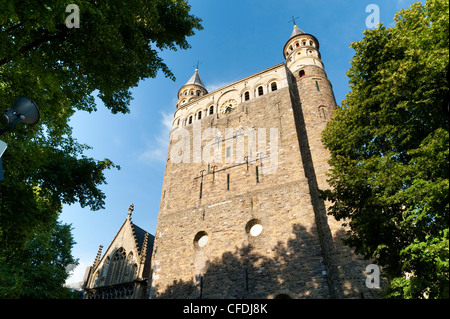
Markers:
296,31
195,80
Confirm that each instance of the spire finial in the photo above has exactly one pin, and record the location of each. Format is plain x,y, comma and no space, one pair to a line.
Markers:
293,20
196,65
130,210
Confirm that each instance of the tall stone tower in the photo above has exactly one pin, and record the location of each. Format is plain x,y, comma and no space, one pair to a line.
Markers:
240,213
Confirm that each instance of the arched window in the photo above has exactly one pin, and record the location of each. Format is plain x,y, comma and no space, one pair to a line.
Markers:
198,92
190,120
131,269
301,73
273,86
297,44
260,90
199,116
322,112
211,109
117,267
247,96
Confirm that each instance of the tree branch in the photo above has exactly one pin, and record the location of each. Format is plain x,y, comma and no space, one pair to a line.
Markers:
37,43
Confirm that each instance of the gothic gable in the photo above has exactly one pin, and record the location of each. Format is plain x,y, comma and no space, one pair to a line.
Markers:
125,263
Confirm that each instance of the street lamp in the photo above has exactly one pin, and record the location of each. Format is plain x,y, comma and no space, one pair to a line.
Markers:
24,110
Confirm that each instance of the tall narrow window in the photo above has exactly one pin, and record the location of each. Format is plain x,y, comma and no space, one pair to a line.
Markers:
260,91
247,96
317,86
322,112
190,120
228,182
200,115
211,110
274,86
198,92
257,174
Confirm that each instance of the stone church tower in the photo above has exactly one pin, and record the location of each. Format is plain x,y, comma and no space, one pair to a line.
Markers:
240,213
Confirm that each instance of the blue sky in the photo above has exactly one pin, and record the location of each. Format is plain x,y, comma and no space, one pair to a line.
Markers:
240,37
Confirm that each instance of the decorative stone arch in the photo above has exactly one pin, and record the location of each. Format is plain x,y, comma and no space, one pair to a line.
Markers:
272,81
231,94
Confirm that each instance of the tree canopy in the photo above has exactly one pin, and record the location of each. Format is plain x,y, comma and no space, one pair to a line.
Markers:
116,45
389,145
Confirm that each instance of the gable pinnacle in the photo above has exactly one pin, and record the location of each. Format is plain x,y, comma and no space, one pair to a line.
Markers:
97,258
144,248
130,210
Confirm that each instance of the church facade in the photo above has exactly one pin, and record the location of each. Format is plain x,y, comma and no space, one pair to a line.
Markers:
123,272
240,213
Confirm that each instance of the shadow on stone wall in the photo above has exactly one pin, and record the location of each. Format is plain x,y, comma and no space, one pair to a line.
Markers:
294,271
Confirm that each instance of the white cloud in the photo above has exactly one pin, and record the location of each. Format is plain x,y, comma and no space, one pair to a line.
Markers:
156,150
77,274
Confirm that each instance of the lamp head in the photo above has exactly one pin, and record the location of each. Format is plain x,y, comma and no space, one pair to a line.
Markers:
23,108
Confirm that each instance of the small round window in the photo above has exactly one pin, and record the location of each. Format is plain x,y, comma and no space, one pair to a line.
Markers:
254,227
201,239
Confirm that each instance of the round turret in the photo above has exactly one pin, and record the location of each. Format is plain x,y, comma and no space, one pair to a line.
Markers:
300,50
192,90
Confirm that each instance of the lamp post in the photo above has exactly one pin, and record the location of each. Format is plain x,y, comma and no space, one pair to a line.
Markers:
24,110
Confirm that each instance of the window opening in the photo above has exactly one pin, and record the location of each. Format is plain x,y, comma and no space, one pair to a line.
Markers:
260,90
274,86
